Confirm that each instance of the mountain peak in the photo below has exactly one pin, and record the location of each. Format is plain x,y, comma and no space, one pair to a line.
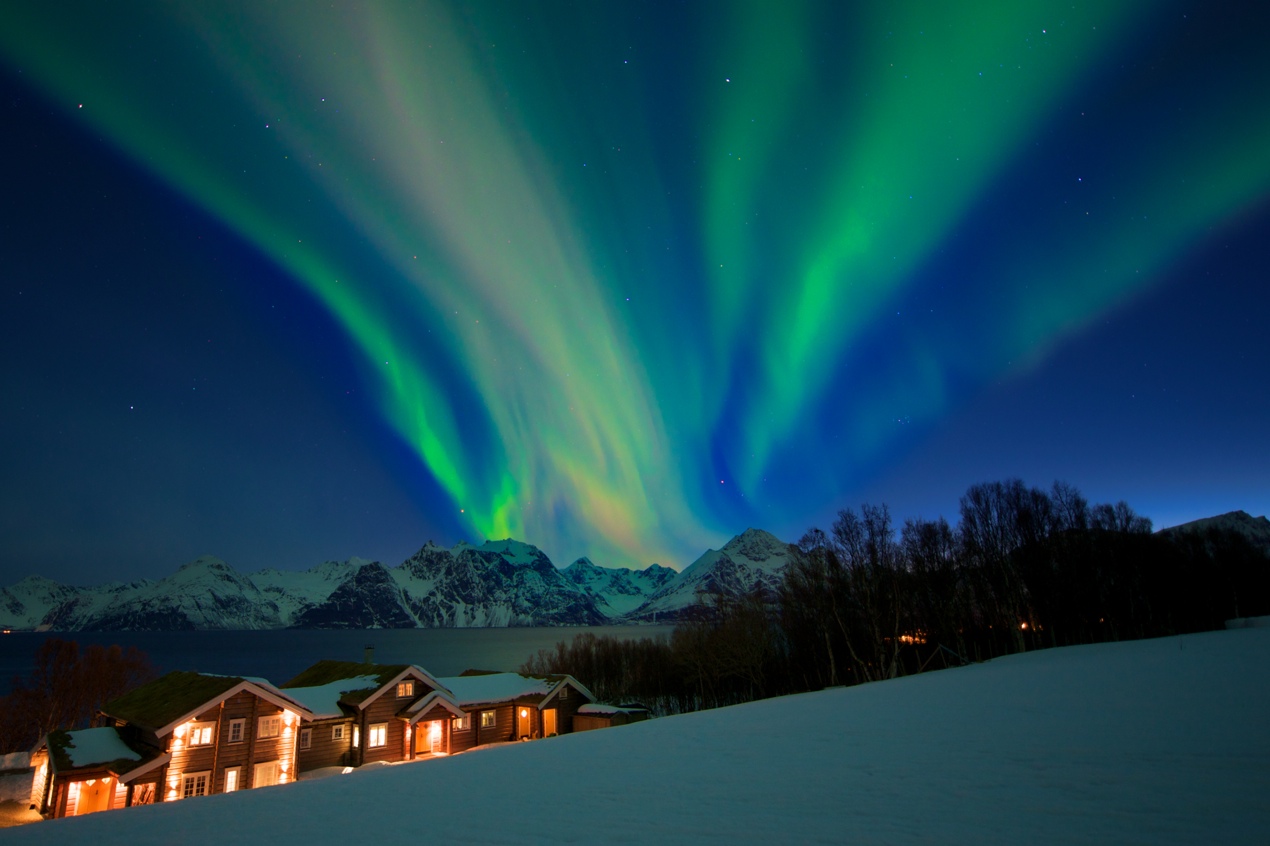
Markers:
205,562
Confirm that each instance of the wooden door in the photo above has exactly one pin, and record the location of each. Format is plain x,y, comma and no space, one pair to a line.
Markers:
549,722
435,745
524,721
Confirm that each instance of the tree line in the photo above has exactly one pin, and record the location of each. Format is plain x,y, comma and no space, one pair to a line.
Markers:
66,689
1024,568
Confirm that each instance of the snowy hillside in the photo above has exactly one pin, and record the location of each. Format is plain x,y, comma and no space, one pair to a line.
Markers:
1161,741
752,559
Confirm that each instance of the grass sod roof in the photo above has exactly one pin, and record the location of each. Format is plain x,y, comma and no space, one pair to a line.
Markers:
161,701
327,671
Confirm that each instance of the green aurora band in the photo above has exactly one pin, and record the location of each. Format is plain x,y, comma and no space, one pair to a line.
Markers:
494,210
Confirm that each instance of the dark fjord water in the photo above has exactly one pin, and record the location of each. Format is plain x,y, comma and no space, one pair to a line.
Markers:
280,655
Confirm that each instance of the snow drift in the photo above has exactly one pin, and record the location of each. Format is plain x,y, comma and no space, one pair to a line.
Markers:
1159,741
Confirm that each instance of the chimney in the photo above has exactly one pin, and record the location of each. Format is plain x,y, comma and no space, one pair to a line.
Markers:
369,655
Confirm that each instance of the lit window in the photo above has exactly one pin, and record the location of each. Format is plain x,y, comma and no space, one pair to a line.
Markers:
269,727
489,719
236,730
378,735
405,688
337,732
194,784
357,736
231,779
202,734
265,775
306,738
462,723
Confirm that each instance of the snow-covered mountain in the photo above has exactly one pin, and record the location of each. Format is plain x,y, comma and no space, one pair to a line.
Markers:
1255,529
752,560
618,592
499,583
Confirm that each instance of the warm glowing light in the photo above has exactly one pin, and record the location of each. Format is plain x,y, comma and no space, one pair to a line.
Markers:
1023,626
181,729
287,717
524,712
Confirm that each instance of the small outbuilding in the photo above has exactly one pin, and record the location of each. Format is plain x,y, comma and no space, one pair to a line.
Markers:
597,716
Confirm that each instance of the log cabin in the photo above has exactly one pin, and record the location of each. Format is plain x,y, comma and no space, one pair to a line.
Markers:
363,713
501,707
595,716
181,736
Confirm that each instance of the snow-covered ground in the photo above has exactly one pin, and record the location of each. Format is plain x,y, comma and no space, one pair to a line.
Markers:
1161,741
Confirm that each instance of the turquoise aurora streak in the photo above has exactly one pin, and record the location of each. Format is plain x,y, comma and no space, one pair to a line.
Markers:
593,271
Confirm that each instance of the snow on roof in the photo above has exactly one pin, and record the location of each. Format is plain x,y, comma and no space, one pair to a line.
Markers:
495,687
324,699
97,746
596,708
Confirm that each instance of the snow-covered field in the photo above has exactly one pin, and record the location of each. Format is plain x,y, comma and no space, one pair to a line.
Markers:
1161,741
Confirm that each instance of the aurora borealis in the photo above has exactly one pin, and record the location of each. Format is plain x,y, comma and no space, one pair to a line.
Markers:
619,279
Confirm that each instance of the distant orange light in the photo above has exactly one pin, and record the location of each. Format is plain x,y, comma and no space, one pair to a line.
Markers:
1023,625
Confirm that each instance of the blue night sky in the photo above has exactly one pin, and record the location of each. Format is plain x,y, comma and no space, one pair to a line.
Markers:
289,282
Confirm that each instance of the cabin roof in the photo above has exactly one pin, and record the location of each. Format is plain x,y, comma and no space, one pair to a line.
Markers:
326,672
161,704
165,699
495,687
329,686
596,708
96,748
324,700
480,688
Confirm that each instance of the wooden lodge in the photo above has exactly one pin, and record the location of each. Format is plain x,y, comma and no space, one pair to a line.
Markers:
181,736
362,713
501,707
192,734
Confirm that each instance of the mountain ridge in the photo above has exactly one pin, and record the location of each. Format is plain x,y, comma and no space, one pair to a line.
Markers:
497,583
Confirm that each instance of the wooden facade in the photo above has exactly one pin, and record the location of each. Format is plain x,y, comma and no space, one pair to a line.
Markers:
188,735
182,736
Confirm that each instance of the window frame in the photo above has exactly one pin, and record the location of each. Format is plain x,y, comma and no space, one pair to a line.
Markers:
237,730
377,732
405,689
305,741
202,734
237,779
277,773
463,723
263,723
337,732
489,719
190,782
